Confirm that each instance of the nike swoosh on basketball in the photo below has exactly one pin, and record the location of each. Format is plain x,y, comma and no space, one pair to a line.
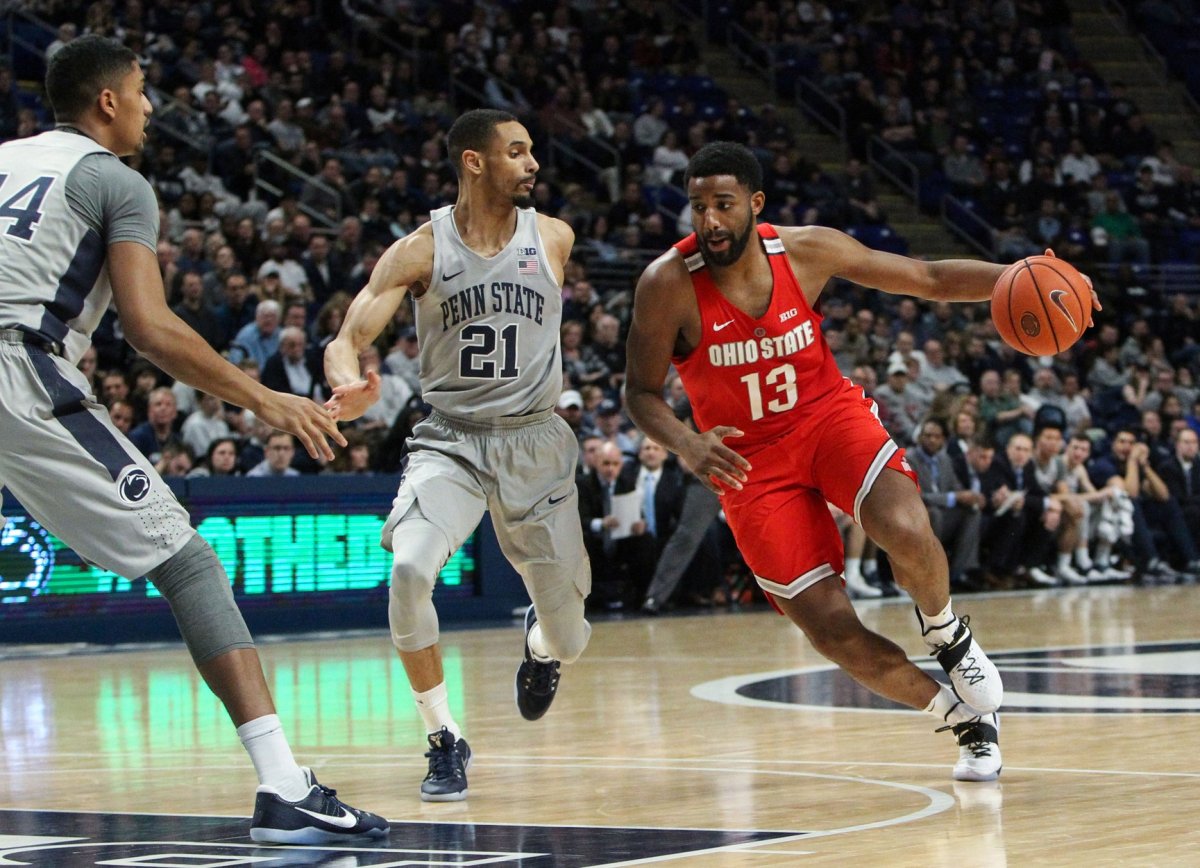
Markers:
554,501
345,821
1056,297
452,276
718,326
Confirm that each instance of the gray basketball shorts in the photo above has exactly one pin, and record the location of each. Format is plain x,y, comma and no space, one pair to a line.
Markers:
75,473
522,471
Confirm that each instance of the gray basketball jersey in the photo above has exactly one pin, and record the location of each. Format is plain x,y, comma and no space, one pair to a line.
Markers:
489,327
52,276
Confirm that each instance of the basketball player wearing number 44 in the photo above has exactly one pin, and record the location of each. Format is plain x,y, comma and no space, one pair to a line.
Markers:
780,432
485,275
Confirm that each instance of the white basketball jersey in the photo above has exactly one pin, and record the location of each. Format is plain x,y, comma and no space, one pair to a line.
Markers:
53,280
489,327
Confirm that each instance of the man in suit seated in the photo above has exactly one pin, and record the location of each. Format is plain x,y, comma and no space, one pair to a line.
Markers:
1021,518
1181,473
621,568
298,369
294,368
954,509
662,488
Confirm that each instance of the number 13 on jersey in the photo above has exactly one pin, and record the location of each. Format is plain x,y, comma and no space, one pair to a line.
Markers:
781,381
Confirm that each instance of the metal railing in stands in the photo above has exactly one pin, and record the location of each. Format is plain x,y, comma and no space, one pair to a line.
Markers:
1122,20
364,22
822,109
751,52
14,39
264,156
966,225
893,165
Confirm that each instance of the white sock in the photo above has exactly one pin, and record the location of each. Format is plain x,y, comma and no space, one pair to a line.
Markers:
1064,560
1104,555
434,706
537,645
947,707
853,571
941,626
870,567
271,754
1083,558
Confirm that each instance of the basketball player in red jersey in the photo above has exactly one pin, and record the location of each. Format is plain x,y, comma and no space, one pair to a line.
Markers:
732,306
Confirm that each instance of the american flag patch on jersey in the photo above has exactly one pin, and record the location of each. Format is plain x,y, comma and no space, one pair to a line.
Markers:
527,266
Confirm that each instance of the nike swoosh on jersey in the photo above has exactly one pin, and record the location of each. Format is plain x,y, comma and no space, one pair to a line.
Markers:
452,276
718,326
345,821
1056,298
554,501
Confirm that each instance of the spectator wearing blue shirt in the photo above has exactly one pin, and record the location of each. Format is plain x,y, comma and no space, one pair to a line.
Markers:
258,340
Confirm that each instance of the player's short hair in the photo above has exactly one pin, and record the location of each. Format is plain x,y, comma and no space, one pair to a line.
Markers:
473,131
80,70
726,158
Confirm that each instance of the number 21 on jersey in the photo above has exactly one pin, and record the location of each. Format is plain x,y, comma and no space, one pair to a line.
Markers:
781,381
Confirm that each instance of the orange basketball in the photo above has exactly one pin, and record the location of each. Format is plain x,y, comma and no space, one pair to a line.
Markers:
1041,305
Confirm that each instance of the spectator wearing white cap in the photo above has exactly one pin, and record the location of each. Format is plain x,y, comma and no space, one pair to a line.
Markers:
905,406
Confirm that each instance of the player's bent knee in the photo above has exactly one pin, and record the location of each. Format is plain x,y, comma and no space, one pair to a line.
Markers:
567,637
411,614
905,534
419,552
196,586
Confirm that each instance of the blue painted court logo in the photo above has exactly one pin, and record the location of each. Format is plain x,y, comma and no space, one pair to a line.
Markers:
1138,678
133,485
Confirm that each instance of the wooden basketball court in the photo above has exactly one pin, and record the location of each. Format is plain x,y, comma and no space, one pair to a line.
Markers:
708,740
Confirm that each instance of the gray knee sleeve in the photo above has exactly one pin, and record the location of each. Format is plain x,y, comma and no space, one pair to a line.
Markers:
559,597
197,588
419,551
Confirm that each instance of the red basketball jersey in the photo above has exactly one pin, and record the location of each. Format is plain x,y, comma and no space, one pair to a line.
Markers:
764,376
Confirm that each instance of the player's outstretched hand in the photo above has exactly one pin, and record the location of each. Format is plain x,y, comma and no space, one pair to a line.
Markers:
309,422
1095,298
352,400
714,463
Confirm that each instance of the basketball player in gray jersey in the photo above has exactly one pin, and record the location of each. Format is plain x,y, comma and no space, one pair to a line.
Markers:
486,276
77,230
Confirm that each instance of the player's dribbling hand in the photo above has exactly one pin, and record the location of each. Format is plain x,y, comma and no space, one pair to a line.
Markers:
353,399
308,422
714,463
1095,298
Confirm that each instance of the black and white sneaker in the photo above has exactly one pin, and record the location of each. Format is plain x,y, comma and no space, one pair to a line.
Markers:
973,675
319,818
978,748
449,758
537,682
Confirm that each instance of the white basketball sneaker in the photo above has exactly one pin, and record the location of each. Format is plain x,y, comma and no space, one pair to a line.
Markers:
978,748
858,588
973,676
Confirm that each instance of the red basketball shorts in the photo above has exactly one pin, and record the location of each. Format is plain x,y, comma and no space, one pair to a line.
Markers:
780,518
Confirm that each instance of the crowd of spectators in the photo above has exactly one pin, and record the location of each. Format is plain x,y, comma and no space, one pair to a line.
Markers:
993,103
263,262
